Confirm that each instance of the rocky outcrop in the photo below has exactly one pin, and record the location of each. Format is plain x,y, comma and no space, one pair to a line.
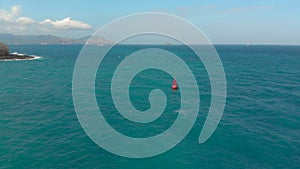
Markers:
15,57
5,55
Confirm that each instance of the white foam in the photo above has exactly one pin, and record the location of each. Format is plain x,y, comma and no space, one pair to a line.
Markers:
20,54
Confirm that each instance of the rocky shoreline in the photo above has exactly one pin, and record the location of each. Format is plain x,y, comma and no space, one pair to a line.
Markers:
15,56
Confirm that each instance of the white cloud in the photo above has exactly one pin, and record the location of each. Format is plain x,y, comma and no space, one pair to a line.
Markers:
66,23
12,21
25,20
11,15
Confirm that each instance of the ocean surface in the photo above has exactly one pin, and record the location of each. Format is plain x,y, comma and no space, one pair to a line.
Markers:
260,127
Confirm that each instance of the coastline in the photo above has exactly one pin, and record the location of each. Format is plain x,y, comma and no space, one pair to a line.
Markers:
18,57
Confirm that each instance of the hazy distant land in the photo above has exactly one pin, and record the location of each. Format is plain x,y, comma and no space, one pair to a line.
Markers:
10,39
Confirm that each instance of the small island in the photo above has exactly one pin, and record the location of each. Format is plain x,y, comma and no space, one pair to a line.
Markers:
6,56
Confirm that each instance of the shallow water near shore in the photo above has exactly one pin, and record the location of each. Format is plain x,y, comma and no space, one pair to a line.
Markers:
259,129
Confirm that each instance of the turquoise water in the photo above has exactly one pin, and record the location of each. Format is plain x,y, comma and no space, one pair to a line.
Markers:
260,127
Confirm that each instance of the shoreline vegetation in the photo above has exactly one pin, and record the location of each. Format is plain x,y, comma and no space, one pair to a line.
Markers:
6,56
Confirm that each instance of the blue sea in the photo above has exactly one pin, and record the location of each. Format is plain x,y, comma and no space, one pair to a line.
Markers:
260,127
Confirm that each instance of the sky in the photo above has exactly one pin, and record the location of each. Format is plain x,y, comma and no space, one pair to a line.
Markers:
223,21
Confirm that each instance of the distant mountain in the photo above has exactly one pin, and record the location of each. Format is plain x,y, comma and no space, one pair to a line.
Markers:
94,40
49,39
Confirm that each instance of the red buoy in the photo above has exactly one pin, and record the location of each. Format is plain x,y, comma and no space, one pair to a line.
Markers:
174,85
